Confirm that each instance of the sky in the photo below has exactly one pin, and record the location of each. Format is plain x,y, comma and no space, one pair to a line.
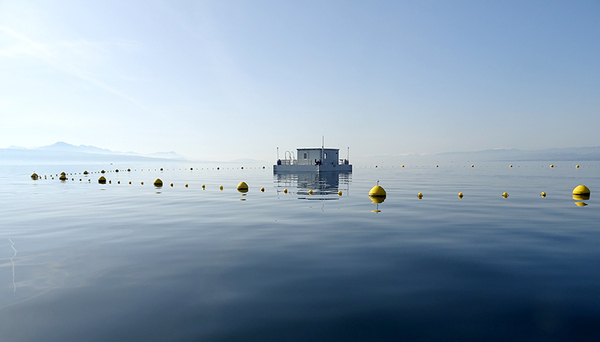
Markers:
222,80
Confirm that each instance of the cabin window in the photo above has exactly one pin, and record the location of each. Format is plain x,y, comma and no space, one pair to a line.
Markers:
305,155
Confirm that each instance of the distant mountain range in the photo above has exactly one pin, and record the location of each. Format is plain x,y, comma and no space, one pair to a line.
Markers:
62,151
508,154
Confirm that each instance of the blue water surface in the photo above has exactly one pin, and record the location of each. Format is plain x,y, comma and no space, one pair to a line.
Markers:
82,261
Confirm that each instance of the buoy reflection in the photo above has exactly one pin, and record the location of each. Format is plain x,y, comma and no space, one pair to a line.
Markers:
377,200
581,197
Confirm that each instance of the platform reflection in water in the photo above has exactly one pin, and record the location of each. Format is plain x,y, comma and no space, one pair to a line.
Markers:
324,185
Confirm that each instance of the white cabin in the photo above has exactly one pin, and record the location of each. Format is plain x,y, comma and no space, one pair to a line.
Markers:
314,159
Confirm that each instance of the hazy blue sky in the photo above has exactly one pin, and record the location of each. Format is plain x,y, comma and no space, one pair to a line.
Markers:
233,79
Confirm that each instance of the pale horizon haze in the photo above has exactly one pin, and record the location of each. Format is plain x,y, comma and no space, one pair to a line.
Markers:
222,80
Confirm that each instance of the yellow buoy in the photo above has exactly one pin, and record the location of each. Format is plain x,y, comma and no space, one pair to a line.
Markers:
510,165
262,189
581,190
221,187
576,166
263,167
118,182
543,194
158,182
285,191
34,176
186,185
472,165
203,186
375,165
340,193
420,195
161,168
102,171
242,167
242,186
436,166
377,191
128,170
310,192
504,194
401,165
109,181
85,172
117,170
89,180
171,184
142,183
551,165
62,177
460,195
102,180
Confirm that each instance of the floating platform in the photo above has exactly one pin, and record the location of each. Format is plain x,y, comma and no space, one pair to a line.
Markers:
313,160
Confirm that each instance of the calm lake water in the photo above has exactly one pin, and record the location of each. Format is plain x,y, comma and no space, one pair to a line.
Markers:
81,261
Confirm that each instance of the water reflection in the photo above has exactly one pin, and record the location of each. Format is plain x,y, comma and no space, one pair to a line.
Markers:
580,198
377,200
13,264
315,185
